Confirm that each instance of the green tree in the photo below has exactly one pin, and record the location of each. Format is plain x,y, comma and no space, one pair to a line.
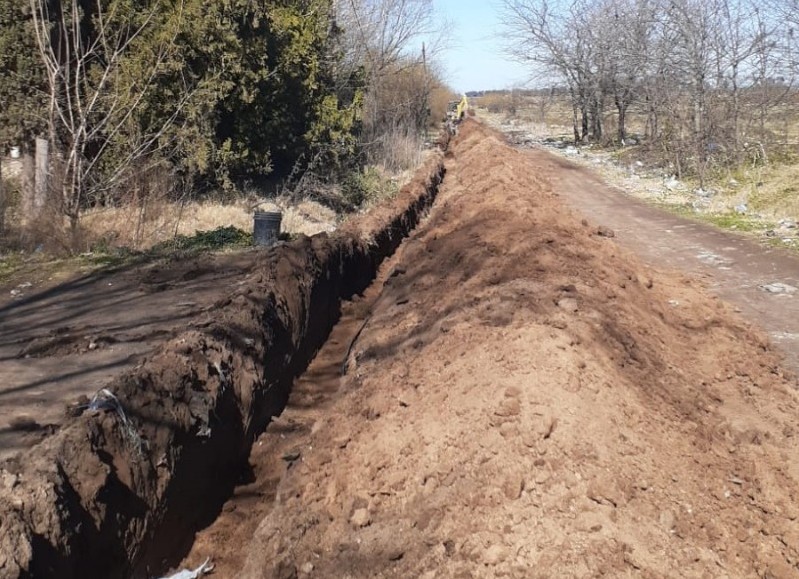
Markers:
218,91
22,87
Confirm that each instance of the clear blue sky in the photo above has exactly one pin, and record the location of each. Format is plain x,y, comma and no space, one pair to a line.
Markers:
474,58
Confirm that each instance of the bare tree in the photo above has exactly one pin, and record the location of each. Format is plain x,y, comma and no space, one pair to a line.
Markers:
692,67
380,32
394,43
92,105
626,31
581,42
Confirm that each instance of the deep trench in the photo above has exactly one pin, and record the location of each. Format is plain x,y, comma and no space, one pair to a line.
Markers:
312,385
358,291
278,448
91,505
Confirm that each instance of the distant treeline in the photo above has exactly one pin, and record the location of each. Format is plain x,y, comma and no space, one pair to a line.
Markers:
522,92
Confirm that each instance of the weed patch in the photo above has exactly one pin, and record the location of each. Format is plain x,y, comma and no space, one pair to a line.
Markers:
217,239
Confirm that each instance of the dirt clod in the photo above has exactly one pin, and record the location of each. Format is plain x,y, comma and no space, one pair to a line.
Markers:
360,518
603,231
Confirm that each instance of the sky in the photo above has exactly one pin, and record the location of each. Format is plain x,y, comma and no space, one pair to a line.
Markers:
474,58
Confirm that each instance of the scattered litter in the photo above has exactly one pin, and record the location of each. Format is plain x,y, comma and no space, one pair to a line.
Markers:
778,288
712,259
17,291
203,569
104,399
741,209
672,184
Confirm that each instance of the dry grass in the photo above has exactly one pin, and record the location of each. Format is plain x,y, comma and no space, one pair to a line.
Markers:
775,193
142,227
397,151
156,218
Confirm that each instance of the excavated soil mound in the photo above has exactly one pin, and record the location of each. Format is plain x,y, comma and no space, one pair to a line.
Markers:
528,400
120,490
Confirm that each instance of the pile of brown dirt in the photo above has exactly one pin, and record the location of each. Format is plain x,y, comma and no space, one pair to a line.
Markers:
527,399
120,490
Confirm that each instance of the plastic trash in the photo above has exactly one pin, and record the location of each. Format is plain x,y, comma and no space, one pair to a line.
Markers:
206,567
105,400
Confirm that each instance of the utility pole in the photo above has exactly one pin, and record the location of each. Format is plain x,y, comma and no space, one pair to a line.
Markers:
42,173
2,198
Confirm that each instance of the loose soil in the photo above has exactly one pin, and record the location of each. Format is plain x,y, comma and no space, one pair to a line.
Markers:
524,398
516,395
734,266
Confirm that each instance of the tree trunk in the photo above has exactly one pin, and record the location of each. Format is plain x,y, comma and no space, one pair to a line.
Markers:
586,124
596,120
736,115
654,129
575,115
621,105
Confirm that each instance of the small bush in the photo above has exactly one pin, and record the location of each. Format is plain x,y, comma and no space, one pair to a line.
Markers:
367,186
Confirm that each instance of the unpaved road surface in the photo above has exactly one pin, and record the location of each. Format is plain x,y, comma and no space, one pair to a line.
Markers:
523,397
59,342
763,282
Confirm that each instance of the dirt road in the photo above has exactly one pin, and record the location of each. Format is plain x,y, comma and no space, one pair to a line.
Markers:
65,341
524,398
763,282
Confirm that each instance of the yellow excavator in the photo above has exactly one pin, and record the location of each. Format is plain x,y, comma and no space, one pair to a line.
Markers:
456,110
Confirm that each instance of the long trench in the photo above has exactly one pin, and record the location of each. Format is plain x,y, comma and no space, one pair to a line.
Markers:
90,502
226,541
